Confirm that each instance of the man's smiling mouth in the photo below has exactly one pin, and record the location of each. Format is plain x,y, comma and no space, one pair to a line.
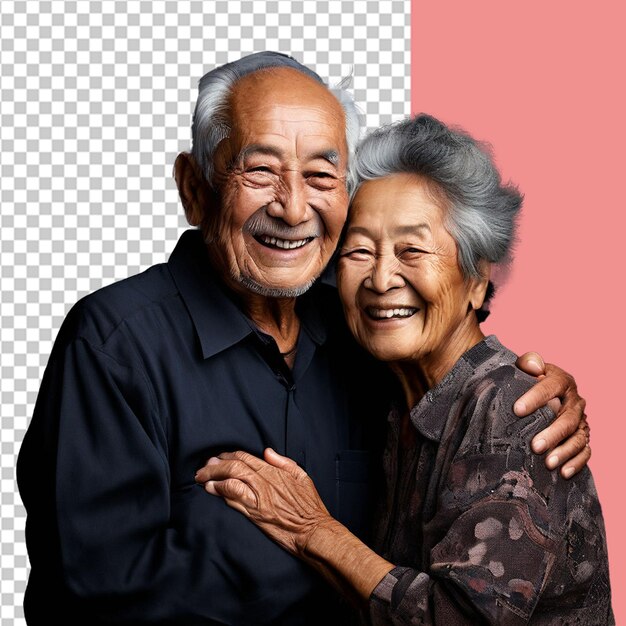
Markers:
283,244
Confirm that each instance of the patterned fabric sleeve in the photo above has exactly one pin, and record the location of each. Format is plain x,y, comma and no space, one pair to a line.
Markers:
513,533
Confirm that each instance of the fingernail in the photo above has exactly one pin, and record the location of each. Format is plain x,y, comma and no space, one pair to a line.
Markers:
568,472
553,461
520,407
539,446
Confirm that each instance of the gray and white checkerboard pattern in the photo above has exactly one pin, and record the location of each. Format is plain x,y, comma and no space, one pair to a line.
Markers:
95,103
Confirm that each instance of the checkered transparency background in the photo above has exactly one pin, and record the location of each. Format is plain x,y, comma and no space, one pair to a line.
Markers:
95,103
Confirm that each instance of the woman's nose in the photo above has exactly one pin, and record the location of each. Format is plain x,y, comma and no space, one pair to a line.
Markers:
385,274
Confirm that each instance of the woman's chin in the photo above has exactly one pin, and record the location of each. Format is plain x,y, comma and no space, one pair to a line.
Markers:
389,353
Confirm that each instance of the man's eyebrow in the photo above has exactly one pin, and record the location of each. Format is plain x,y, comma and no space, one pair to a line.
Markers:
258,148
332,155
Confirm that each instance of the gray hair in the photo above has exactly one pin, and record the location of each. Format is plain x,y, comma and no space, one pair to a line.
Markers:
211,119
481,210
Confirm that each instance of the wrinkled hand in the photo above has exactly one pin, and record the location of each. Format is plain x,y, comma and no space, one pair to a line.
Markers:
276,494
558,390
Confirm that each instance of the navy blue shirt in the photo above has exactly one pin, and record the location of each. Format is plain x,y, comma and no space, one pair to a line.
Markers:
147,379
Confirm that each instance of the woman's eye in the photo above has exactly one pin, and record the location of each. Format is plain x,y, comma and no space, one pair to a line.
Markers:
357,253
260,168
411,252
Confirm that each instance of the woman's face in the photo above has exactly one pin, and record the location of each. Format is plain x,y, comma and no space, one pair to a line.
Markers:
403,292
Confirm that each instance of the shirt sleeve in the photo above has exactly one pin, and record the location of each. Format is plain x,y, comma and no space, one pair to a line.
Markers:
502,517
94,478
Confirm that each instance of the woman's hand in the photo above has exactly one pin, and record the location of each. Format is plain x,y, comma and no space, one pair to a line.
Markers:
557,389
276,494
280,498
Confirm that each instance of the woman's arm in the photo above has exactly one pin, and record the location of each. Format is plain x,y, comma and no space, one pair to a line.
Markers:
280,498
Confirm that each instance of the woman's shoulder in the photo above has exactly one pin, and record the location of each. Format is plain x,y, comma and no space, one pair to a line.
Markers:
487,399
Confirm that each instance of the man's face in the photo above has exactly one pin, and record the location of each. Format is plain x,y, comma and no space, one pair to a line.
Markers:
281,179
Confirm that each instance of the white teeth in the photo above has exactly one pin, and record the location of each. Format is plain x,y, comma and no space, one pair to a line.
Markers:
389,313
285,244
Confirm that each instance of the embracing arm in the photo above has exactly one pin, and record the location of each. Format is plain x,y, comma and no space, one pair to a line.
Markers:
566,440
280,498
282,501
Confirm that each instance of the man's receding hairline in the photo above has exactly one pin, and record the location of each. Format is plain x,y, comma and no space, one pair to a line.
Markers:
273,70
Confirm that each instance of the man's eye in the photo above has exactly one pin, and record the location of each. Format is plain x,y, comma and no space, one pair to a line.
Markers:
322,180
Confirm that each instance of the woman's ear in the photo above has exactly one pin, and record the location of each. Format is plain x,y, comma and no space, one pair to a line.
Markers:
192,186
478,288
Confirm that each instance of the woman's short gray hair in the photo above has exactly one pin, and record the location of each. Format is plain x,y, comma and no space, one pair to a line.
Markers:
211,118
481,210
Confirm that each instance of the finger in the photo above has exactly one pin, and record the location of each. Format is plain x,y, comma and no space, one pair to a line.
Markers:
284,463
233,504
223,469
572,467
555,405
202,475
233,490
570,448
565,425
531,363
245,457
551,386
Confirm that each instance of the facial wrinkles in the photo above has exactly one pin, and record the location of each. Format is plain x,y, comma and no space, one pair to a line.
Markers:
277,224
260,223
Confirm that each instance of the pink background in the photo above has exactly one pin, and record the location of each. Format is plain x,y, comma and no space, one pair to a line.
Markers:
544,82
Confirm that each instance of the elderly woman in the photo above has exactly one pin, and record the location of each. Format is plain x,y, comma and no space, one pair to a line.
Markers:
473,528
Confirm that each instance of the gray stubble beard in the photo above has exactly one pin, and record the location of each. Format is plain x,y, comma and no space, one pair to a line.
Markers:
273,292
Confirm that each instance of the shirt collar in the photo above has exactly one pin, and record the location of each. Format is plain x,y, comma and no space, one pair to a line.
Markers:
431,413
218,320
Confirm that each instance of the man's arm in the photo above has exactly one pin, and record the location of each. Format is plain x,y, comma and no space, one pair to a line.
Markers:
94,478
566,440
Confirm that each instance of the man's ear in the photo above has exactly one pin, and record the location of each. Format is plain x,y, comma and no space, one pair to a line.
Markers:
193,188
479,286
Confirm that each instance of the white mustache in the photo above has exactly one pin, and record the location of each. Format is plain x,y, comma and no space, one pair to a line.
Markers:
260,223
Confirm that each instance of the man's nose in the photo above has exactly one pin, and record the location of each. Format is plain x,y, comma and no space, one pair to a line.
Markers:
385,274
291,201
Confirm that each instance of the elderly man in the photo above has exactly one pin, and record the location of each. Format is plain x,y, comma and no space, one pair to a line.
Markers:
220,348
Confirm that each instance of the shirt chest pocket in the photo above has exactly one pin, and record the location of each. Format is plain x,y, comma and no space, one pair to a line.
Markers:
353,490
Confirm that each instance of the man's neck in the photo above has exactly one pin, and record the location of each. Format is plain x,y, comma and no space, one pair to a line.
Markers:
276,317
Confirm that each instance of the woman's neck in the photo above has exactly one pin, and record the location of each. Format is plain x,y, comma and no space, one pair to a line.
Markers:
423,372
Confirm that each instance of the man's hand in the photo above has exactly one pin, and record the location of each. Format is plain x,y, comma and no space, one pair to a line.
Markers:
567,439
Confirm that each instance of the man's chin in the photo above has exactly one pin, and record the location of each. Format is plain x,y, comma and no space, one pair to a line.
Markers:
274,292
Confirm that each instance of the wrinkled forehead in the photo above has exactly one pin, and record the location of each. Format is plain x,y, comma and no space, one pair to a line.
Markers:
284,95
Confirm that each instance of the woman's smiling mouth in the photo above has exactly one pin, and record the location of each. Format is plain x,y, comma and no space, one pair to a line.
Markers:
390,312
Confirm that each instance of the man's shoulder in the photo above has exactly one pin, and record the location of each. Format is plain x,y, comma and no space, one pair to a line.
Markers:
96,316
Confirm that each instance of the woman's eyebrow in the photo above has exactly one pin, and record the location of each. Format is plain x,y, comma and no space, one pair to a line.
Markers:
407,229
412,229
